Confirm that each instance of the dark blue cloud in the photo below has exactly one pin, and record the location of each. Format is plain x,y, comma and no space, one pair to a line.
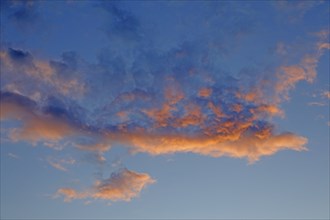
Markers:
122,23
23,13
19,56
9,97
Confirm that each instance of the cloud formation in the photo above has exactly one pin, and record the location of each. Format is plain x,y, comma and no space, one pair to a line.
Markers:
193,94
240,136
169,117
122,186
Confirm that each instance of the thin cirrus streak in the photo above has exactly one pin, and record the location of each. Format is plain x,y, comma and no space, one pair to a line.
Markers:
175,101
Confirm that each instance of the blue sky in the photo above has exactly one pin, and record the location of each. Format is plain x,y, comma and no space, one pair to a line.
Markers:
164,109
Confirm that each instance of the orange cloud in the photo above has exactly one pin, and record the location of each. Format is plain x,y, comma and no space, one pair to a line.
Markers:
123,186
173,93
236,108
36,125
224,137
193,116
288,76
41,71
70,194
216,110
326,94
100,146
160,116
239,144
204,92
267,110
324,46
45,128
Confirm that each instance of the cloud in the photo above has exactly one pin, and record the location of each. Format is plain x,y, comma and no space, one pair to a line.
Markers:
281,48
71,194
23,13
36,127
18,65
288,76
14,156
57,166
251,145
60,163
123,23
295,10
321,99
168,115
316,103
205,92
189,94
47,124
324,46
226,137
122,186
326,94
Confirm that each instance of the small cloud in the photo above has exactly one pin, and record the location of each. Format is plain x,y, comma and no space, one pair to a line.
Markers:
14,156
23,13
95,158
323,34
60,163
124,24
295,10
204,92
122,186
326,94
281,48
117,164
87,202
316,104
96,147
289,76
324,46
57,166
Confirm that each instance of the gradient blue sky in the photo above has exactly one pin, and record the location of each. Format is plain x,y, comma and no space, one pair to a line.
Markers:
164,109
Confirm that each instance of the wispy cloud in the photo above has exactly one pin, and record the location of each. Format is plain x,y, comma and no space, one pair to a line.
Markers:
14,156
295,10
317,103
61,163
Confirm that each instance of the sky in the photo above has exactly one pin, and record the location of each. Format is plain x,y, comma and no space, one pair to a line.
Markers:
164,109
